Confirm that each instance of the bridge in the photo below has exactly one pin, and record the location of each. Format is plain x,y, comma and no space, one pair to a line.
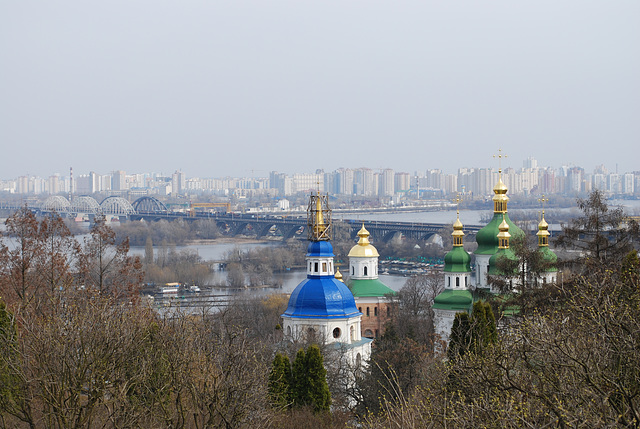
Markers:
261,226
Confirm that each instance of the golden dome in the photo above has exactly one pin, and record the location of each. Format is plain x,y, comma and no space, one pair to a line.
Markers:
543,232
363,249
457,225
500,187
457,232
503,235
338,275
500,198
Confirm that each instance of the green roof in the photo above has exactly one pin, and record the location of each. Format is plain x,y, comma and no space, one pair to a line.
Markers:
550,258
501,253
457,261
487,237
369,287
458,300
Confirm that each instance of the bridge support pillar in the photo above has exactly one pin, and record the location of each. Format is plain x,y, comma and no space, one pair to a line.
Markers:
123,219
92,220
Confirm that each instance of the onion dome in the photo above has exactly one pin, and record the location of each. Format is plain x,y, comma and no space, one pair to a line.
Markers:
487,237
503,249
550,259
456,300
338,275
321,296
500,198
457,260
543,232
363,249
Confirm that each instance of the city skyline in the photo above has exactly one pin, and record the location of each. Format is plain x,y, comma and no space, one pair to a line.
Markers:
235,88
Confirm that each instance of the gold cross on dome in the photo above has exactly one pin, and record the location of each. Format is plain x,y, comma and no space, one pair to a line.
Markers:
543,200
458,200
500,155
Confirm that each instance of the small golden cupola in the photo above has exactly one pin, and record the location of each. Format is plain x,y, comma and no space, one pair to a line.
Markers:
543,232
500,198
458,234
338,275
503,235
364,249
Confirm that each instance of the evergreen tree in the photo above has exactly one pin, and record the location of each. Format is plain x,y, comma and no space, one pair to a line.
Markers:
459,338
309,380
319,396
299,380
280,381
473,333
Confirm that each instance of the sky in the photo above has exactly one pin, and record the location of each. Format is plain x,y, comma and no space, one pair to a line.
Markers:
243,87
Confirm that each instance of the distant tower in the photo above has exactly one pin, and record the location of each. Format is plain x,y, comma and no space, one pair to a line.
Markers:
322,308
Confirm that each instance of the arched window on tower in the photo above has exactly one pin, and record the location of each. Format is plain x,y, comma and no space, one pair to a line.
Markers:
365,270
375,311
457,281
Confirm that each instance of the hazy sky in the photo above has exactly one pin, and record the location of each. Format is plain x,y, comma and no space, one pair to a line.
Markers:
224,87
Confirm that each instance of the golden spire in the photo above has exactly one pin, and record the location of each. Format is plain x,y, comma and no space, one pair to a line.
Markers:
543,227
500,198
457,233
318,218
319,225
503,235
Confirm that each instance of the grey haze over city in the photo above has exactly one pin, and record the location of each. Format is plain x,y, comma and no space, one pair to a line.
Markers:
241,88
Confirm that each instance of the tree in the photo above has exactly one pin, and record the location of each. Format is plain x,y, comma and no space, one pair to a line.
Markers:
105,266
309,380
602,235
280,381
472,334
319,396
20,280
413,317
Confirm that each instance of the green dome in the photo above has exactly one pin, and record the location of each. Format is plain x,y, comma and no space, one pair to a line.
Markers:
506,253
549,258
487,237
457,261
369,287
458,300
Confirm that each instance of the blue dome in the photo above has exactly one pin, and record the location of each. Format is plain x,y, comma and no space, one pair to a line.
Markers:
320,248
321,298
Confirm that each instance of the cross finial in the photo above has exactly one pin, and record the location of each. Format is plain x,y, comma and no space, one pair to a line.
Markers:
500,155
543,200
458,200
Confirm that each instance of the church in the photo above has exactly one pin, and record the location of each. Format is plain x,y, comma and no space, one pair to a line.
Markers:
322,307
461,289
